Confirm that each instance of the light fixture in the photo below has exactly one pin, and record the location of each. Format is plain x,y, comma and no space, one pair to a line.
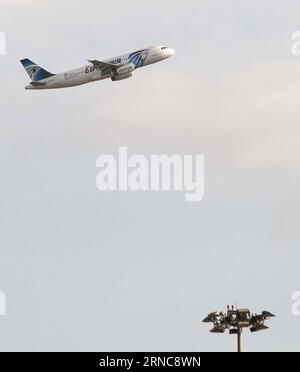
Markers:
236,320
258,328
218,329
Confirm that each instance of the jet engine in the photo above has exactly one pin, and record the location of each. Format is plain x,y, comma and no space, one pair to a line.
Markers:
126,69
123,72
121,77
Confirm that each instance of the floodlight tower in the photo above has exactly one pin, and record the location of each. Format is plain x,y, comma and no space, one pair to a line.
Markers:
235,320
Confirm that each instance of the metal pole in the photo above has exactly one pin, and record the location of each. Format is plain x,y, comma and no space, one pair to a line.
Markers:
239,340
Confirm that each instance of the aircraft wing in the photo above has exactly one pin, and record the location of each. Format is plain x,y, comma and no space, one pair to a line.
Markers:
103,66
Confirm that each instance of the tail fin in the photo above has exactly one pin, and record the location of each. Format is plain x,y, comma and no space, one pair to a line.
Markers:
35,72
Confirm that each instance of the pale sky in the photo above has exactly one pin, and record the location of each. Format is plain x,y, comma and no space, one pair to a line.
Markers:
89,271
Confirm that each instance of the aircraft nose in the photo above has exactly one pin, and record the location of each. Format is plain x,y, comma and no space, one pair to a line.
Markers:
172,52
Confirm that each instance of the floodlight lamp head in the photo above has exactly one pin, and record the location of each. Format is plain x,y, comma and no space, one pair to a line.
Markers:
218,329
267,315
258,328
212,317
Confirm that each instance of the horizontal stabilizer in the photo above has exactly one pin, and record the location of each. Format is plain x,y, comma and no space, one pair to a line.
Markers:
37,83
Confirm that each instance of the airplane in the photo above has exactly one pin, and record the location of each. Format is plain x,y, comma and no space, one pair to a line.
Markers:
118,68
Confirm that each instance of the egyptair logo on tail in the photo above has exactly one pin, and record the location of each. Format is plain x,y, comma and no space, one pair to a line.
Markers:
31,70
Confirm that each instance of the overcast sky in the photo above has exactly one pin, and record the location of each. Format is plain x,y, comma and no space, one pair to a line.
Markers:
89,271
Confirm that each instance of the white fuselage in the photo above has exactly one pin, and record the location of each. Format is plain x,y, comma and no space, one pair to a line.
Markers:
125,65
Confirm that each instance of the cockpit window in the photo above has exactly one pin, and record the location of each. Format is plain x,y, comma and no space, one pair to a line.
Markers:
163,48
